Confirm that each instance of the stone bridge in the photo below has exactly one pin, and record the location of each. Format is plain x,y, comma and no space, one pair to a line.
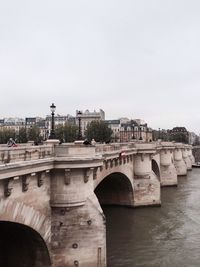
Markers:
51,196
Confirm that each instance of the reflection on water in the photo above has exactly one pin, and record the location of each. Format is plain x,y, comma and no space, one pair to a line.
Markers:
158,236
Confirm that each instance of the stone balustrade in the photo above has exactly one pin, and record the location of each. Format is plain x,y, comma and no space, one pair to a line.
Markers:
25,153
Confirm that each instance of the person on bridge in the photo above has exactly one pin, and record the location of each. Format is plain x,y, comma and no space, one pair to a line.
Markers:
93,142
86,142
11,143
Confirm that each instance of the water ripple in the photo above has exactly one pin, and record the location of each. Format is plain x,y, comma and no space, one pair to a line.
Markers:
168,236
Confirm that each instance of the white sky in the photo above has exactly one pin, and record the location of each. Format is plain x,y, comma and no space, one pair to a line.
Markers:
131,58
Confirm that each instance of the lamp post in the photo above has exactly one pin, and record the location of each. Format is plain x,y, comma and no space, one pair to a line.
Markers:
79,113
140,133
52,133
133,135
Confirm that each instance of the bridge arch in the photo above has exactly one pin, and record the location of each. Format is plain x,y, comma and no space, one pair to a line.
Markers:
19,212
155,168
115,189
22,246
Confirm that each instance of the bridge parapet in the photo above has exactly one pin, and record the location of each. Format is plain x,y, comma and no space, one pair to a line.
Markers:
146,147
25,153
74,150
101,148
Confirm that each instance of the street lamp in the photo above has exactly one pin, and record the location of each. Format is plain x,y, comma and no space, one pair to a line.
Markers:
140,133
79,113
52,133
133,130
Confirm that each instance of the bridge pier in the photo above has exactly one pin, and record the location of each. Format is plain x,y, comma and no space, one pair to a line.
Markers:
190,155
186,158
179,163
78,235
168,174
78,223
146,183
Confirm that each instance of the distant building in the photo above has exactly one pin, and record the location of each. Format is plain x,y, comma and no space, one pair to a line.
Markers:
86,117
124,120
135,130
12,124
114,125
39,122
193,139
123,129
31,121
34,121
58,120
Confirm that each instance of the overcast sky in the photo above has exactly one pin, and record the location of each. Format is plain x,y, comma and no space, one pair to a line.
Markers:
131,58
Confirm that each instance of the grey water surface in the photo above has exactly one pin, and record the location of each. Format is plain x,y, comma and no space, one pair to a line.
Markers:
158,236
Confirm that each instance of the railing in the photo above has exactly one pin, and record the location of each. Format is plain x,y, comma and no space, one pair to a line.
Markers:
101,148
25,153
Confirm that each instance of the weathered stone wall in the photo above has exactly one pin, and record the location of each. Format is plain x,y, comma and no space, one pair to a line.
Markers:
25,211
78,223
146,183
78,235
147,191
28,203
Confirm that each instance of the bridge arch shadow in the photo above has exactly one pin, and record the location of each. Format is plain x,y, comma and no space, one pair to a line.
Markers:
115,189
155,168
22,246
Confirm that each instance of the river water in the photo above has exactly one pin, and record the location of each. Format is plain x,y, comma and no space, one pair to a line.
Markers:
166,236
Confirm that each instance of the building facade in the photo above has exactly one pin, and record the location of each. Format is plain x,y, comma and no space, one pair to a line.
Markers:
135,130
12,124
114,125
86,117
58,120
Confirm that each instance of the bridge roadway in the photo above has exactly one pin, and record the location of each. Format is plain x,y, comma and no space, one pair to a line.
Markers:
51,196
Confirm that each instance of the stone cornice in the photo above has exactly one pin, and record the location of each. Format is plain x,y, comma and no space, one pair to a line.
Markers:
26,167
77,162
